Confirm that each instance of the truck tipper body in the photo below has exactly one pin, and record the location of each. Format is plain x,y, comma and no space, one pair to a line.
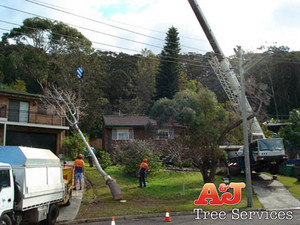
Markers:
32,185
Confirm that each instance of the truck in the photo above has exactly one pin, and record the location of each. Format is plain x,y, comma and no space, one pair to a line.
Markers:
31,185
266,153
263,152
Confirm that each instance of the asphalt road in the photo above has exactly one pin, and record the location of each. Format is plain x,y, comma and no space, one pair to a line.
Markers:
272,217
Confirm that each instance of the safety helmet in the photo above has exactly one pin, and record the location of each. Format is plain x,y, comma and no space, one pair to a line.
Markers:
145,160
80,156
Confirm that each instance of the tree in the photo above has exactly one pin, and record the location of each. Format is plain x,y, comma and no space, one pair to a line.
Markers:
168,76
205,121
40,42
67,106
291,132
144,80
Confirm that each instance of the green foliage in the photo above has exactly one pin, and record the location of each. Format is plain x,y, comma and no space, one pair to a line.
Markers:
105,160
205,120
169,72
130,154
74,145
291,132
18,85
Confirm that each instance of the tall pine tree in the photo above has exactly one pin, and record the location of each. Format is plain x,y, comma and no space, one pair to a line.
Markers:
167,78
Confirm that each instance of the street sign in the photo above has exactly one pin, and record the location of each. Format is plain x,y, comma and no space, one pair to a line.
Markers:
80,72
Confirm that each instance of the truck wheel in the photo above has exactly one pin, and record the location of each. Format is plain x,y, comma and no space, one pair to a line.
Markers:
274,169
5,220
70,199
52,214
234,171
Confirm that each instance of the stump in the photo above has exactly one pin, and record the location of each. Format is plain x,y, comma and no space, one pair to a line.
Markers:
114,189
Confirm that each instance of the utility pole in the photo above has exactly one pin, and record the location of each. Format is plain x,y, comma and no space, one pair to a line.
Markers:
245,129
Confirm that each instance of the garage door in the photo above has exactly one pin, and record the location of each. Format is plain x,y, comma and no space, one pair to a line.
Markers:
36,140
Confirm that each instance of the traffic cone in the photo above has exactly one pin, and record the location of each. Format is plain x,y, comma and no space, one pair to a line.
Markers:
113,221
167,218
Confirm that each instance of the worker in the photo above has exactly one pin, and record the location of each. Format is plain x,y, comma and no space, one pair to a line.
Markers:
142,172
79,171
89,156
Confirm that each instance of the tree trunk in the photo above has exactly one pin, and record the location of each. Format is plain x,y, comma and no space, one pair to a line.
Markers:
112,184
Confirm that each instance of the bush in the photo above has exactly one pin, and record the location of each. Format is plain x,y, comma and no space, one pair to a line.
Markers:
104,160
73,145
130,154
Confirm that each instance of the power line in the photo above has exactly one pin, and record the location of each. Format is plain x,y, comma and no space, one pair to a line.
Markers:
166,59
114,21
106,24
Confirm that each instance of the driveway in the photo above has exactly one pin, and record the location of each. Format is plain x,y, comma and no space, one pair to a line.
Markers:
272,194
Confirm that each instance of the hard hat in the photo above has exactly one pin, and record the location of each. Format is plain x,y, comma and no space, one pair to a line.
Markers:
145,160
80,156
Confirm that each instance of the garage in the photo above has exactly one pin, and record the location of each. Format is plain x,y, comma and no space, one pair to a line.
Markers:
30,139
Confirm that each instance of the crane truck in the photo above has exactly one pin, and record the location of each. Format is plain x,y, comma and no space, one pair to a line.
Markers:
264,152
31,185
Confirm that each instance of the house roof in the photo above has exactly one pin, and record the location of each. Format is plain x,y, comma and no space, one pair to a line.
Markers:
128,121
20,94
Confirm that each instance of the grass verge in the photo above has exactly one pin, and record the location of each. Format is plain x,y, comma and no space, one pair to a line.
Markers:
164,190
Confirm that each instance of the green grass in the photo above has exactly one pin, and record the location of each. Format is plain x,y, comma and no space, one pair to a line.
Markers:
164,190
290,183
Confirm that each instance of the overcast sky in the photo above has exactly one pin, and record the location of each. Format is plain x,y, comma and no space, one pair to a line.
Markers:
132,25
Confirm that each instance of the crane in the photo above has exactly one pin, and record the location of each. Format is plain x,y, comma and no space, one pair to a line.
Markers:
264,152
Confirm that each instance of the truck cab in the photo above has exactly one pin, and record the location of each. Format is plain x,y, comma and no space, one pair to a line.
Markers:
267,153
6,191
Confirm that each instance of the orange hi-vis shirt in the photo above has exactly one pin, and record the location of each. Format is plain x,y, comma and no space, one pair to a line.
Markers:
144,165
79,165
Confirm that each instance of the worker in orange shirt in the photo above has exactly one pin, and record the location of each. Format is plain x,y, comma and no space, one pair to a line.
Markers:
79,171
142,172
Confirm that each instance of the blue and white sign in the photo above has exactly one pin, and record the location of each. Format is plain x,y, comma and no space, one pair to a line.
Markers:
80,72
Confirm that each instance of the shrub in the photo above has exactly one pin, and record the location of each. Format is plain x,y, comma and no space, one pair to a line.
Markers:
130,154
73,145
104,160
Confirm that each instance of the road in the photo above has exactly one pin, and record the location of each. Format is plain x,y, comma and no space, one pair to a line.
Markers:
278,217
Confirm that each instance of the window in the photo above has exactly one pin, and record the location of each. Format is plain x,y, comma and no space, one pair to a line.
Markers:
4,179
122,133
18,111
166,133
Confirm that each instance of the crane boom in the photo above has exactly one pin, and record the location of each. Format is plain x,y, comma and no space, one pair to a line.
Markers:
226,76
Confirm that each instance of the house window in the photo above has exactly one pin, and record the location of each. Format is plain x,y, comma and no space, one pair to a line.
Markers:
18,111
122,133
166,133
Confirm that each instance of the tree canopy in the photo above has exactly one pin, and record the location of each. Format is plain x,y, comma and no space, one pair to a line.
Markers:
205,121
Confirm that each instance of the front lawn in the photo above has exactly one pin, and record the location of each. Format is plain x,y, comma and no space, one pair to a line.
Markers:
164,190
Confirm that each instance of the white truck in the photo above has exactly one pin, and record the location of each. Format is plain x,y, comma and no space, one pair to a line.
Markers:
31,185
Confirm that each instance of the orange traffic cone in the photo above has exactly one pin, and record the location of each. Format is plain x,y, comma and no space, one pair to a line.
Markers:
113,221
167,218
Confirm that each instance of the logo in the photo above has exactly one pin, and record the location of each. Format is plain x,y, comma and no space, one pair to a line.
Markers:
209,192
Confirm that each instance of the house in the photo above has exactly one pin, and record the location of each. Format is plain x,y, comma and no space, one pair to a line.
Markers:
25,120
118,128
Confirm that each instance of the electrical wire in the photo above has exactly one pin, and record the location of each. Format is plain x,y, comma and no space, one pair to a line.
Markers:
96,42
114,21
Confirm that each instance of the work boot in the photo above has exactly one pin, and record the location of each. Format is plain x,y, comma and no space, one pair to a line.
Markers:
80,188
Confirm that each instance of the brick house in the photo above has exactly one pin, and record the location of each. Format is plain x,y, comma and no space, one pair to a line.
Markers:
118,128
25,120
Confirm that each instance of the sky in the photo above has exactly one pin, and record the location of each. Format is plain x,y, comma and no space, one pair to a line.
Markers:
132,25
